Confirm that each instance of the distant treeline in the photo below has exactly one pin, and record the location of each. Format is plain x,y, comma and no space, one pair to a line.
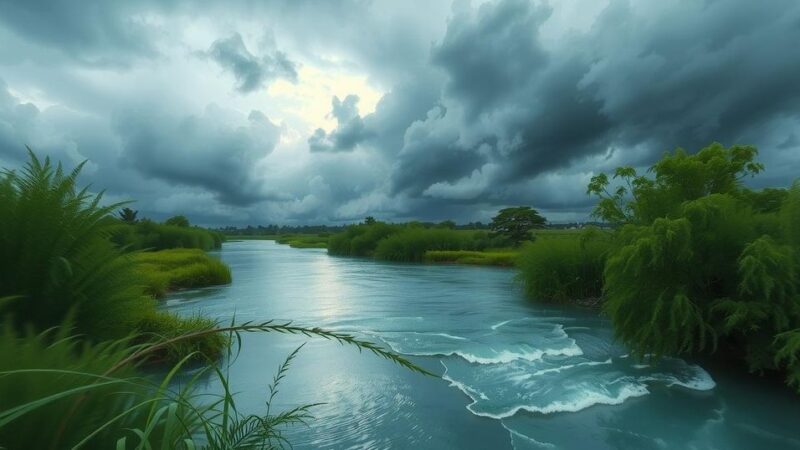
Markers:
268,230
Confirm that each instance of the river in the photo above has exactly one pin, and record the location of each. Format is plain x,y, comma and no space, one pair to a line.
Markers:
515,374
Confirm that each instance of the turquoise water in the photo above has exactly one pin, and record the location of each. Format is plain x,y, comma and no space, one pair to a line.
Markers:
514,374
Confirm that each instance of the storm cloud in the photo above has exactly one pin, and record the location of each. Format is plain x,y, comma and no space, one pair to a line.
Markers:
385,109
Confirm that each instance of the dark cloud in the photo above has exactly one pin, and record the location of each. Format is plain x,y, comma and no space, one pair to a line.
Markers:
213,151
488,106
94,32
641,81
251,72
349,132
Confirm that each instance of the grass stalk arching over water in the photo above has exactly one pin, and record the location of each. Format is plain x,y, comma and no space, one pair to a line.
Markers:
150,414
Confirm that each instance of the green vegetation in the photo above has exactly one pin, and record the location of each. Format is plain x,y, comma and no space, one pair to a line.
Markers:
304,240
149,235
77,326
564,269
411,243
57,259
168,270
485,258
59,262
93,396
698,263
516,223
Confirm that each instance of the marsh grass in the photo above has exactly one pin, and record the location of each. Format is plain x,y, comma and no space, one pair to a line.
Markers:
304,240
564,269
410,244
93,396
149,235
505,258
167,270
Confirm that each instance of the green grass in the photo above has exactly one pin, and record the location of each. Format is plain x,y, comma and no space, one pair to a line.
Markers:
149,235
564,269
486,258
167,270
410,244
304,240
94,396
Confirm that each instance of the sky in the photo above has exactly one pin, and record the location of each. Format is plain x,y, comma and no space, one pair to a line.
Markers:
324,112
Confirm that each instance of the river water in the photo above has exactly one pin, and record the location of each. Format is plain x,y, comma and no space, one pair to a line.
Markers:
514,374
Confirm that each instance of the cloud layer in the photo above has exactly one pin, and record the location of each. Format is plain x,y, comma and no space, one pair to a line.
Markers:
205,110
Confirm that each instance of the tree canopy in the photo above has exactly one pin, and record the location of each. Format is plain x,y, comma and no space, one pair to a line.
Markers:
516,223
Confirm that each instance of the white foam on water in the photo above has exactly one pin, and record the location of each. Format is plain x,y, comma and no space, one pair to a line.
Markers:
587,400
527,439
570,366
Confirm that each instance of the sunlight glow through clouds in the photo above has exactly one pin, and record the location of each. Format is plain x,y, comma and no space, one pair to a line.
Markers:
310,98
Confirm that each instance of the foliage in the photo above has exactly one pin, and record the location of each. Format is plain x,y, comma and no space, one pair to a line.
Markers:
57,258
516,223
677,177
410,244
148,235
702,263
92,396
482,258
127,215
360,240
177,221
167,270
561,270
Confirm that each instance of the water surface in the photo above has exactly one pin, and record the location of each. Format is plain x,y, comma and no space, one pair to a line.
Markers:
514,374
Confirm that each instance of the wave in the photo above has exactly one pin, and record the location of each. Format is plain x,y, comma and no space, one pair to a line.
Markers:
570,366
502,357
558,406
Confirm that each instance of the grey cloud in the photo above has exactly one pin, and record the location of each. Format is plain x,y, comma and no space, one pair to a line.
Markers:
90,32
684,74
251,72
214,151
349,132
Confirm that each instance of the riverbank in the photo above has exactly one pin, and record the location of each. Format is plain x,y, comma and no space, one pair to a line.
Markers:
165,271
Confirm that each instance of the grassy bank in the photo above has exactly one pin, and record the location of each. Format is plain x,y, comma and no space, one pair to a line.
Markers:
168,270
304,240
506,258
149,235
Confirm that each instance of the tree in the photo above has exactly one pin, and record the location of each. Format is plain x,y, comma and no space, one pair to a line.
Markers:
677,178
516,223
178,221
128,215
369,220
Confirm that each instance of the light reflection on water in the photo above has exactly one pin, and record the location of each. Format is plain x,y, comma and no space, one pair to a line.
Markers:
515,374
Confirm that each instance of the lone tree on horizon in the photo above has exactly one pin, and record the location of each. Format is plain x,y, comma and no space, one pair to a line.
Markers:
516,223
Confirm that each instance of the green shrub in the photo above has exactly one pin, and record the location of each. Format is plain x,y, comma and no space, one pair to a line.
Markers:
360,240
59,392
410,244
158,326
701,263
148,235
168,270
565,269
56,256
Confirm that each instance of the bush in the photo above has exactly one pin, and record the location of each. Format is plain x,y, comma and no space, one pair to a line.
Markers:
167,270
360,240
56,256
701,263
59,392
410,244
148,235
564,269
